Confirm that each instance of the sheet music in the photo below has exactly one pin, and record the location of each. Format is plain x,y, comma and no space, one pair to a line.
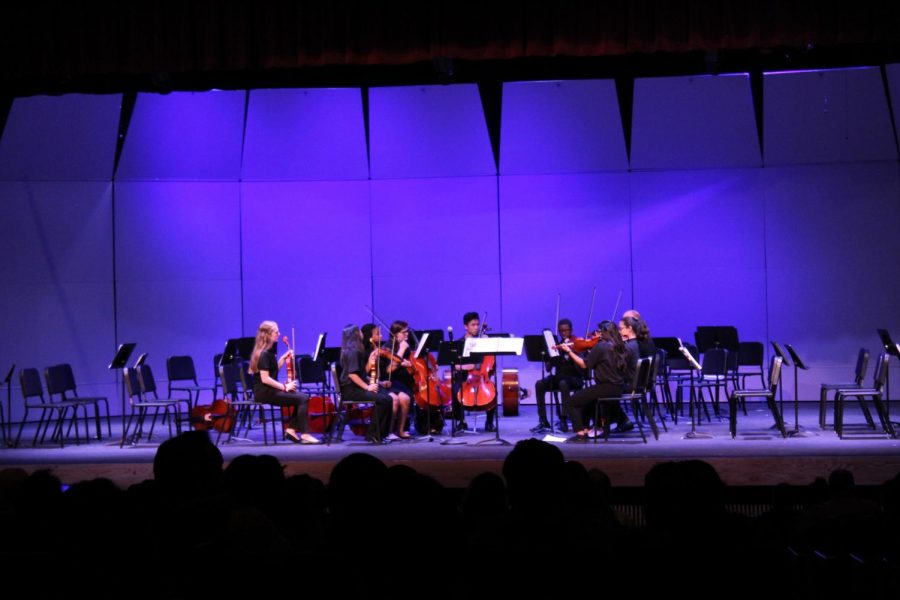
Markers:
320,343
422,341
690,357
551,342
496,345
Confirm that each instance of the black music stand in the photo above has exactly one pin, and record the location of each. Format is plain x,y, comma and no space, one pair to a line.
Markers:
693,434
785,362
118,363
674,360
536,350
798,364
433,340
500,350
7,426
449,353
892,349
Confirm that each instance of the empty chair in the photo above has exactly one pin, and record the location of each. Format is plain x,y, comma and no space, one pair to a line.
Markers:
876,393
33,395
713,377
183,378
767,392
142,406
61,381
862,365
751,356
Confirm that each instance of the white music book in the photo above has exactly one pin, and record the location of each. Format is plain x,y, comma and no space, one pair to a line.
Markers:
690,357
552,352
421,345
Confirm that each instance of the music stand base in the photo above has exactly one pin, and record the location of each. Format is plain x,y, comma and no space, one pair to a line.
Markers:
696,435
498,441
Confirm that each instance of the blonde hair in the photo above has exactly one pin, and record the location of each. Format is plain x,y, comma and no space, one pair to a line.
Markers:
262,342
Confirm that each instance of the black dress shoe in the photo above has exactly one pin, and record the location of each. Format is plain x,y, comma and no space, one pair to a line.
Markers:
577,439
293,437
624,426
489,426
542,426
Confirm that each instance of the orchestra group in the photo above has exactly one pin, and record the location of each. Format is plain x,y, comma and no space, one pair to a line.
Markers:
385,374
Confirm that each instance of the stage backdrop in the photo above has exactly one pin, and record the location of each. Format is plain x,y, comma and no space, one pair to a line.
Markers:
779,217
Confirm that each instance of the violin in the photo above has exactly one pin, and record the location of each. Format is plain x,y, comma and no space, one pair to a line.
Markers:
287,411
582,344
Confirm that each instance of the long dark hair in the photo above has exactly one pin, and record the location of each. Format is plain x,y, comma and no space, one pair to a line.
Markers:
639,327
610,333
350,340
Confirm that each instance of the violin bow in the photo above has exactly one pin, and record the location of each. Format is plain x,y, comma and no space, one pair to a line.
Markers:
591,313
616,309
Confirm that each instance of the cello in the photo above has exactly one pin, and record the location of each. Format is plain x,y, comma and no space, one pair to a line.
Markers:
479,392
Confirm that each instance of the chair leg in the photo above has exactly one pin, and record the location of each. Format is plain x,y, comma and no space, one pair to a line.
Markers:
732,416
839,415
779,420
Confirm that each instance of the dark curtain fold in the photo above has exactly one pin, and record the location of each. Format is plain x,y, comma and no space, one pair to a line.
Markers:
59,41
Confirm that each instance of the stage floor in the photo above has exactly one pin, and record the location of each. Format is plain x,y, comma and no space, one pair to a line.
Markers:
758,456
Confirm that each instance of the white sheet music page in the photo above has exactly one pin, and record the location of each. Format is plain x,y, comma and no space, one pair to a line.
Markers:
690,357
552,352
421,345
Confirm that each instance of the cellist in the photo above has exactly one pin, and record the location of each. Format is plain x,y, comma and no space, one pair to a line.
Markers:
461,374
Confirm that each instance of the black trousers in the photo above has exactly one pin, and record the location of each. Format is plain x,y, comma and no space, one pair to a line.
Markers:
580,406
300,419
381,415
566,385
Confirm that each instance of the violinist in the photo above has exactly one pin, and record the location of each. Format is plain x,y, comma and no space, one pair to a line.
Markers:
356,384
264,366
397,390
461,374
567,378
613,364
636,334
400,372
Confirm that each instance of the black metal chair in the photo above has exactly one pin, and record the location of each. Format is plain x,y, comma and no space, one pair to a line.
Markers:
876,393
61,380
141,406
343,407
183,378
713,378
768,393
862,365
640,383
239,393
33,395
752,356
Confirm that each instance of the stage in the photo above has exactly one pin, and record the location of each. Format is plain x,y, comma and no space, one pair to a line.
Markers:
759,456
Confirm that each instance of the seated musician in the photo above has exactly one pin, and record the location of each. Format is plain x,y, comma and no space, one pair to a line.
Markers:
637,335
566,378
461,374
264,366
613,364
395,388
356,384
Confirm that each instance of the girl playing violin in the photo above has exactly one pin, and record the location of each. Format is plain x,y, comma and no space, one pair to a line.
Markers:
387,361
613,364
356,385
264,366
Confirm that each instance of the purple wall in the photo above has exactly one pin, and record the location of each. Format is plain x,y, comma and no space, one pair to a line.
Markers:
213,224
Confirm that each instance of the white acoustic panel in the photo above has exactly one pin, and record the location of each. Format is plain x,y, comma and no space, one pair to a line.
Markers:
297,230
696,122
539,213
71,137
178,231
184,136
428,131
561,127
298,134
833,116
439,226
707,219
56,232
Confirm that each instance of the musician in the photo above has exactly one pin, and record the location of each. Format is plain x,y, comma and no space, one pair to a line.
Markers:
355,385
264,366
399,372
613,364
636,334
399,393
567,378
461,374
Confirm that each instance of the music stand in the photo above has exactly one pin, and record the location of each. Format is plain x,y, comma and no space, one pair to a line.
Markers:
498,345
448,356
538,349
123,353
892,349
427,341
7,427
693,434
798,364
785,362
